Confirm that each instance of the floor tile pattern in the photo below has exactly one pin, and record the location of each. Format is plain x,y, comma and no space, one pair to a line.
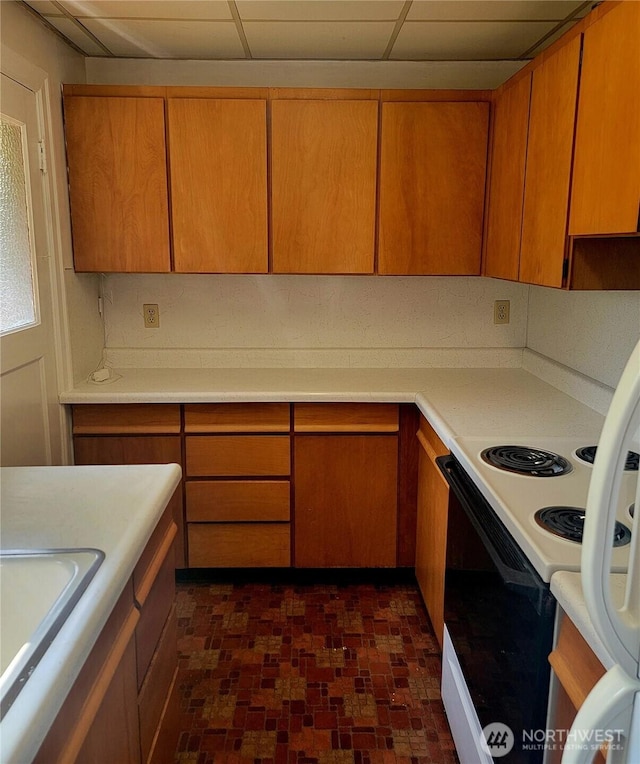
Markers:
318,674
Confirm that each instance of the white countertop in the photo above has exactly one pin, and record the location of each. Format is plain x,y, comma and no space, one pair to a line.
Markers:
457,401
567,589
114,509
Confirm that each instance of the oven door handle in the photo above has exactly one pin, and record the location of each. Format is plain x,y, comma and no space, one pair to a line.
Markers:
512,565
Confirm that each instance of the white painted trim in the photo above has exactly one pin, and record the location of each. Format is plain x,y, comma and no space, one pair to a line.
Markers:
34,78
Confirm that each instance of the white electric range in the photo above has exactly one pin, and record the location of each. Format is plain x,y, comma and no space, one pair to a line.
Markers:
499,613
516,498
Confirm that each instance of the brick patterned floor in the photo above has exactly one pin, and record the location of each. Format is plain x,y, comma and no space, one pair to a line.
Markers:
319,674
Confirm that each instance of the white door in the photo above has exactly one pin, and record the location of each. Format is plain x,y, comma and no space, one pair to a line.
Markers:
30,431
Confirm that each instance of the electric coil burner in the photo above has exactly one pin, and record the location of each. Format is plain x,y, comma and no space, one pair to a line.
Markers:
568,523
524,460
588,454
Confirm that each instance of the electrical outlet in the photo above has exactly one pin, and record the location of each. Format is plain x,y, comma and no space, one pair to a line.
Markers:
151,315
501,309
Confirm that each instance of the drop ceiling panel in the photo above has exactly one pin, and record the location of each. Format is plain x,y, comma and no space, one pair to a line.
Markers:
467,40
168,39
149,9
73,32
45,7
497,10
318,39
319,10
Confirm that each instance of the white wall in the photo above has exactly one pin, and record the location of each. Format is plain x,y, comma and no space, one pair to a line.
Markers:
591,332
81,324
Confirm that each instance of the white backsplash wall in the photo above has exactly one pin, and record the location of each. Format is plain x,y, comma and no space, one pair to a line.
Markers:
591,332
305,313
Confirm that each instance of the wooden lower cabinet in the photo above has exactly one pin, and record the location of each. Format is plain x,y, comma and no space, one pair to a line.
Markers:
576,670
238,491
431,530
346,500
122,707
98,721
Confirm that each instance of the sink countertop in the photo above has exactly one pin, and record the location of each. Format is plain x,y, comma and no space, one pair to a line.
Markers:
114,509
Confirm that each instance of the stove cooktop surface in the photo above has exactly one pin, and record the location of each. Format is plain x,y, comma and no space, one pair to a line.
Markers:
517,498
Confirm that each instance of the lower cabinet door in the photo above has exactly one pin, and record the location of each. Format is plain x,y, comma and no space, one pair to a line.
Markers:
114,735
431,539
345,500
159,718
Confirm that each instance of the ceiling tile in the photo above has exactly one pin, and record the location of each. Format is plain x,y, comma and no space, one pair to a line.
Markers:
168,39
44,7
318,39
319,10
487,10
149,9
467,40
74,33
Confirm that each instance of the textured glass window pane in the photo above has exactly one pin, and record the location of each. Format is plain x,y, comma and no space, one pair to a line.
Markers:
17,300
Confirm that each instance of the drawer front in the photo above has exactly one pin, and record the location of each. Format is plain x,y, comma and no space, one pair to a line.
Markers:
238,500
237,417
123,418
155,691
154,615
346,417
239,545
238,455
161,537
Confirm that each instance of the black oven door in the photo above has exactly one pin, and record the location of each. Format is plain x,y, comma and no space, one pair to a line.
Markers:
500,615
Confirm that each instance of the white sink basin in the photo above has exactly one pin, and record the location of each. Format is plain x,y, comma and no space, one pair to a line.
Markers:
38,590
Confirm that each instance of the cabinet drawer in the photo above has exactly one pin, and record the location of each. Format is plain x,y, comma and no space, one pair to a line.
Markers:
155,690
238,455
155,550
345,417
154,613
239,545
238,500
237,417
136,418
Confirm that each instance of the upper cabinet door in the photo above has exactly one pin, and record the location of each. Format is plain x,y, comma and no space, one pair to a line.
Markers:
605,195
118,183
432,177
323,181
548,170
218,166
506,197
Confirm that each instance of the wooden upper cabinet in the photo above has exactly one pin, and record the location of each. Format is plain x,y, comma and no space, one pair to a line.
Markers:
605,194
432,177
506,196
323,185
554,94
218,167
118,183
